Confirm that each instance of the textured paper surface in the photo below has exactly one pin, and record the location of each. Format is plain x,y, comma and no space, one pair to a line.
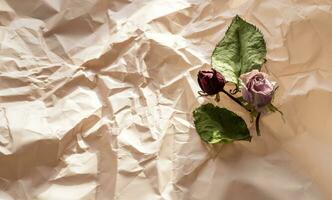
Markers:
96,100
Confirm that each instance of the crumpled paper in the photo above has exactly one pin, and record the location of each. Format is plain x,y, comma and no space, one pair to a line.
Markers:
96,101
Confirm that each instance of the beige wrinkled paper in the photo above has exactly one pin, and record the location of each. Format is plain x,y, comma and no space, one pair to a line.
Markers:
96,101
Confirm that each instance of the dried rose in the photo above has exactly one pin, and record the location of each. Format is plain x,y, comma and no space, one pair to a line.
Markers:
211,82
258,90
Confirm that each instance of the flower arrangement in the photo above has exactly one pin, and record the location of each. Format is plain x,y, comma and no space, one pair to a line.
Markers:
237,59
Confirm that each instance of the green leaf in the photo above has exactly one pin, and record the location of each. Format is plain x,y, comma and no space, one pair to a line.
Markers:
241,50
215,124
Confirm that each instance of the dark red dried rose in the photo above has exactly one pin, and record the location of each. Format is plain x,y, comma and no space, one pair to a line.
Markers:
211,81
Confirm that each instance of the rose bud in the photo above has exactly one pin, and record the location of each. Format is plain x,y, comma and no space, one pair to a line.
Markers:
257,90
211,82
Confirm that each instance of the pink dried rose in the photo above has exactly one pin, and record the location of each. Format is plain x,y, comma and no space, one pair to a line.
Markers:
257,90
211,81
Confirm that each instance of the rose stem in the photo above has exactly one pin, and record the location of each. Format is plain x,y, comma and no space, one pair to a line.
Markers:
257,124
236,100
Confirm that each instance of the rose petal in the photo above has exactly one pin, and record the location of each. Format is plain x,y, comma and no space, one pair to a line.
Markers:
263,88
261,100
247,96
247,76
